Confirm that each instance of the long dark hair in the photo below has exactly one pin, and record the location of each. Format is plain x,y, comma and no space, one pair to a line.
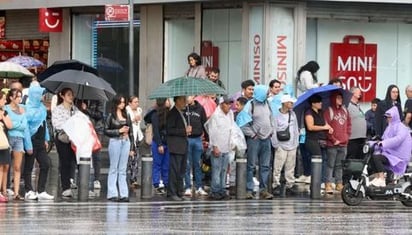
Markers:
12,93
162,111
115,102
312,66
63,93
196,57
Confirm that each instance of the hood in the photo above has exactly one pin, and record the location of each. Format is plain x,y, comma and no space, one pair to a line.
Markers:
333,98
35,94
393,112
260,93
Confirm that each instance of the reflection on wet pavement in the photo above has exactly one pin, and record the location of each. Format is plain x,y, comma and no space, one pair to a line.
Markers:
288,216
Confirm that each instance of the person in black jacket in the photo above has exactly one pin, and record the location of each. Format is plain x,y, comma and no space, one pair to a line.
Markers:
177,130
118,127
392,98
196,117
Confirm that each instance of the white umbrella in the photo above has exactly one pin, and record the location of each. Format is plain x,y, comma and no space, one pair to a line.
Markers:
13,70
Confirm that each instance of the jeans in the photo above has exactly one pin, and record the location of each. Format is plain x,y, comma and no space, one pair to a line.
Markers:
96,157
160,165
258,149
219,169
119,154
40,154
334,163
194,152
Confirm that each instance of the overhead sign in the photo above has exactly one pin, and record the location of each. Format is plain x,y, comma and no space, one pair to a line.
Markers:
210,55
50,20
117,13
354,62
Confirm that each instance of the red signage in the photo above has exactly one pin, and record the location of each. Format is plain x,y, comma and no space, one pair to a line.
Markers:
2,26
116,13
354,62
50,19
210,55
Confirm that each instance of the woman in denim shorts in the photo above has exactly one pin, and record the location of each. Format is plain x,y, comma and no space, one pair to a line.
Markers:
16,135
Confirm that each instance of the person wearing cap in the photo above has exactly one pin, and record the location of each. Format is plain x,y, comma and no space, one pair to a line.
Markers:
337,116
395,148
285,150
219,129
258,131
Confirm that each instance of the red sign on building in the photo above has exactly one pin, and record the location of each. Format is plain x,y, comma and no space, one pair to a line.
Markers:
354,62
50,19
210,55
116,13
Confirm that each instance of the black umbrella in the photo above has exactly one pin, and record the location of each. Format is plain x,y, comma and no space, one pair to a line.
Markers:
86,86
61,65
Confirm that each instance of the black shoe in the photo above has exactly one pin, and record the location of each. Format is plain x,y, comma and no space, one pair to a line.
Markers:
124,199
292,190
176,198
276,191
113,199
160,191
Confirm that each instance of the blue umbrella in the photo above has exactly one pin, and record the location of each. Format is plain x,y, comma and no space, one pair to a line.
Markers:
302,104
26,61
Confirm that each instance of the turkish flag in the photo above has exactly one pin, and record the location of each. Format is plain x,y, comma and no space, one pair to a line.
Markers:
50,19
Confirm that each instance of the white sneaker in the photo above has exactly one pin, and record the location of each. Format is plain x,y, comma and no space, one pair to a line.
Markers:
301,179
322,186
96,184
378,182
201,192
67,193
72,184
45,196
30,195
10,193
188,192
255,181
307,181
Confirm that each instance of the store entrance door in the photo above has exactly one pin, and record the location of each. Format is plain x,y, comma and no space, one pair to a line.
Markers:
110,41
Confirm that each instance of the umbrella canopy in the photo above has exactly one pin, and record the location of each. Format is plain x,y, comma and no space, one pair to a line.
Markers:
86,86
302,104
107,64
13,70
26,61
62,65
185,86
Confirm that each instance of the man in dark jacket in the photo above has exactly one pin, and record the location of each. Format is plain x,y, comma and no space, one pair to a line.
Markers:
177,131
196,117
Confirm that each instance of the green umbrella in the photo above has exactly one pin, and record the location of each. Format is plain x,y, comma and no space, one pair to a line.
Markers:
185,86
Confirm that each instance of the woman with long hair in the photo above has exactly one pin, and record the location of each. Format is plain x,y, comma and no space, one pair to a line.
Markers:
196,68
119,128
135,113
306,76
5,158
17,136
67,158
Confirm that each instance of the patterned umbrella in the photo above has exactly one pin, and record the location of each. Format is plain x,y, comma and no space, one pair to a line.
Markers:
13,70
185,86
26,61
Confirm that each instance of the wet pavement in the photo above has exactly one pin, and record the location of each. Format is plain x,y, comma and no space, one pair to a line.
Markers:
297,215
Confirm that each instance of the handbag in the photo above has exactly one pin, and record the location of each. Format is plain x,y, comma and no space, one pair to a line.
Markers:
63,137
285,134
4,141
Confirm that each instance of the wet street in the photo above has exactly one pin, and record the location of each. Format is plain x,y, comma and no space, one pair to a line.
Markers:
279,216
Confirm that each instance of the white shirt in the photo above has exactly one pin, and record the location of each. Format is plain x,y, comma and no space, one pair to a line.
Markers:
219,128
306,81
137,131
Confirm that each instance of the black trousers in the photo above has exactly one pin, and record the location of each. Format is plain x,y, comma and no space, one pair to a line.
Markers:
67,163
354,150
40,154
177,170
379,162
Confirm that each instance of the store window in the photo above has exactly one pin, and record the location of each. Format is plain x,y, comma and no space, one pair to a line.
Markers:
105,45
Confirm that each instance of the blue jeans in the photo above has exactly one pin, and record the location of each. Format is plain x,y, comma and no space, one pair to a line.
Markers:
334,163
119,154
194,152
219,169
260,150
160,165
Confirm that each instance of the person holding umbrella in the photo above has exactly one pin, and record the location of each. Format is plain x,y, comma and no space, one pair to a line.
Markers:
67,158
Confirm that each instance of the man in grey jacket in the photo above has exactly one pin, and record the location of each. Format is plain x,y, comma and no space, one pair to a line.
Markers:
258,133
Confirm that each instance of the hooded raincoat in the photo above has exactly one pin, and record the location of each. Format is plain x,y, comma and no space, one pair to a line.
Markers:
396,143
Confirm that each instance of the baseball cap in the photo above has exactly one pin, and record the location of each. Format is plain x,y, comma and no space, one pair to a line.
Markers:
287,98
225,99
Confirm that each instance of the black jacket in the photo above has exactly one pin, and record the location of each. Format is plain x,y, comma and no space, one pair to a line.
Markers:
196,117
176,133
383,106
112,126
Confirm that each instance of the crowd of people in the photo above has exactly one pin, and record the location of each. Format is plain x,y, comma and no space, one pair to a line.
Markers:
195,139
